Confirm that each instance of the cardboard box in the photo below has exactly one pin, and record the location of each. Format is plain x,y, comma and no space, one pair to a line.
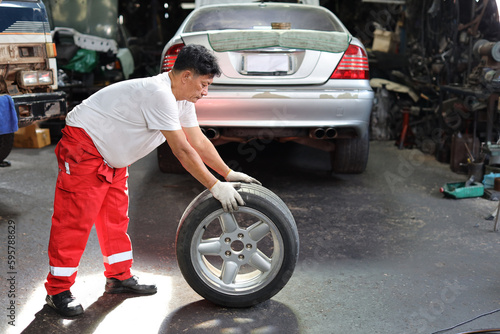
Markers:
31,137
384,41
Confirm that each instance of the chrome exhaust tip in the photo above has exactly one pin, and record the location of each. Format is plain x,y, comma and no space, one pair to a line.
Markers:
318,133
331,133
212,133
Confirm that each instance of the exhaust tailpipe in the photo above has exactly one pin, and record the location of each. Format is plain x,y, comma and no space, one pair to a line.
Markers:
318,133
212,133
330,133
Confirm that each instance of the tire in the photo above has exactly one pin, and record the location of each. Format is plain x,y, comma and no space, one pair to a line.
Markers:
6,143
350,155
237,259
167,161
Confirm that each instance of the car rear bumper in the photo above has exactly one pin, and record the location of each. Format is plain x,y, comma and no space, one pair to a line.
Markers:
287,107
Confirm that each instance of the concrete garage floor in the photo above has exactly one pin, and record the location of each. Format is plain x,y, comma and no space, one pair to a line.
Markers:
381,252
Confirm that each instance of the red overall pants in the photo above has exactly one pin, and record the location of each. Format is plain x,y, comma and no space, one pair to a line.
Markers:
88,192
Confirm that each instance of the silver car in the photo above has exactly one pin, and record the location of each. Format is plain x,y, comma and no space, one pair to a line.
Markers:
290,72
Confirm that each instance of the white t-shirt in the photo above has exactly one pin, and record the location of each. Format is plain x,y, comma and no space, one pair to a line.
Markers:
124,119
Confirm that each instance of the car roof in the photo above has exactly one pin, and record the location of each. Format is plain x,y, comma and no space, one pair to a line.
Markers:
201,3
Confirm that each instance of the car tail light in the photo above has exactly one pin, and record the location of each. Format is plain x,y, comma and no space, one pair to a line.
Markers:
353,65
171,56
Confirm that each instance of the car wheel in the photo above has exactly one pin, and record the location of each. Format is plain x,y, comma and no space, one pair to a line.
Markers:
350,155
242,258
6,143
167,161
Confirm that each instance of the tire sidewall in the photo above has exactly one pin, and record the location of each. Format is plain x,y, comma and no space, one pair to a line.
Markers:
350,155
288,233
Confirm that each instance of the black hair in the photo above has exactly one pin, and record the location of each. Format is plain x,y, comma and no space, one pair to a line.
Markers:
198,59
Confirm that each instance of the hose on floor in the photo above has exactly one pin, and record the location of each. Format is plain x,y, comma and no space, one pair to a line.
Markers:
492,330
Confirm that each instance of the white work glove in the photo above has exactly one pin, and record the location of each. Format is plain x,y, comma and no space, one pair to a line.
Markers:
227,195
233,176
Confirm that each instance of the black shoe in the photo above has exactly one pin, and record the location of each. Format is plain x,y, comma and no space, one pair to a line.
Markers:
131,284
65,304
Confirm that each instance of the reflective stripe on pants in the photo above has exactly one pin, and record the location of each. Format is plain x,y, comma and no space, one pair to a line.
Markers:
63,272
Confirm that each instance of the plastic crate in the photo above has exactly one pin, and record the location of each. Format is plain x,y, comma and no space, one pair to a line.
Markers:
459,190
489,179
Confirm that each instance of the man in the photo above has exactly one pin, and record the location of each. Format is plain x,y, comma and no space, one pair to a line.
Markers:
106,133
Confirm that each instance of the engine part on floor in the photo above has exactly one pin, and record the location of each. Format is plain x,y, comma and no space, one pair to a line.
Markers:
242,258
491,50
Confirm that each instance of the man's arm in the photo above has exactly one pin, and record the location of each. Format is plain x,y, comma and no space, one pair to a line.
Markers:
206,150
211,157
189,157
191,160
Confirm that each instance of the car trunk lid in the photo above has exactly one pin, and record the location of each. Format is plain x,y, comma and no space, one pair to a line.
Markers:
274,56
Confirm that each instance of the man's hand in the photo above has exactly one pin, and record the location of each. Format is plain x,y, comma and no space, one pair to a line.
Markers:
227,195
233,176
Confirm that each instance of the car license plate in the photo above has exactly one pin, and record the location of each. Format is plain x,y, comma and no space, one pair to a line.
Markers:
267,63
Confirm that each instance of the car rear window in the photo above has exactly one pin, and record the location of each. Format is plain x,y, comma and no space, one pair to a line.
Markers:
261,17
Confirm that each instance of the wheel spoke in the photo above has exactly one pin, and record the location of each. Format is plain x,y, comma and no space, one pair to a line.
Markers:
228,222
261,262
229,271
210,247
258,230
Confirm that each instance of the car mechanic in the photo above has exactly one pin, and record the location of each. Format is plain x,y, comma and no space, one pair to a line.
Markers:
106,133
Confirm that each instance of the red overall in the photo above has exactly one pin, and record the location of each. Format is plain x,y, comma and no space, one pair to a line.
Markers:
88,192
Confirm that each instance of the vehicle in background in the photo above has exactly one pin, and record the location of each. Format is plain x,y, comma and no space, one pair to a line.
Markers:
290,72
93,47
28,70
